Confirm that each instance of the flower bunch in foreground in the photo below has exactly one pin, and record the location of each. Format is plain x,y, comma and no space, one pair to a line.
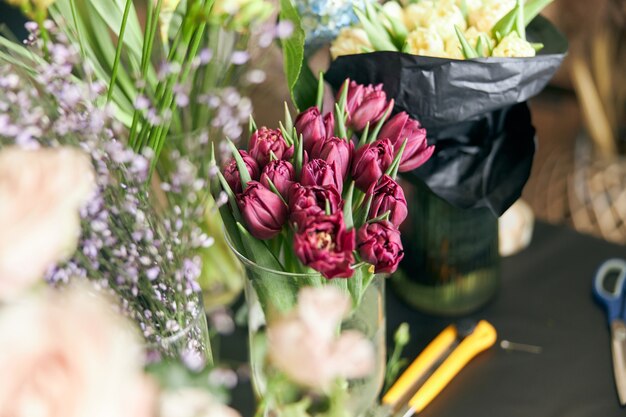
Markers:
319,192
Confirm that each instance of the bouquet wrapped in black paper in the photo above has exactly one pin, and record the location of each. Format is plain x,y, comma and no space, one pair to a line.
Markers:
464,69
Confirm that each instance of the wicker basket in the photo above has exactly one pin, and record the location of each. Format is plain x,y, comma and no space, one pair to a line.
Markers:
571,185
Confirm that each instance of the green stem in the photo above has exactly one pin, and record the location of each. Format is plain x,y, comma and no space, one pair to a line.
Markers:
118,49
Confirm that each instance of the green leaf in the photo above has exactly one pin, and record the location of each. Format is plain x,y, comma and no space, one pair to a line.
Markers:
380,123
231,197
520,26
392,171
399,32
275,292
537,46
298,80
364,136
299,156
466,48
251,125
287,134
288,120
505,25
319,102
380,40
364,211
244,175
305,91
347,207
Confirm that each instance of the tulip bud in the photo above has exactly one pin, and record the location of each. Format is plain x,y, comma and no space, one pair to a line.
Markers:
231,173
364,104
309,201
329,124
400,128
370,163
380,245
320,172
371,110
281,174
265,140
388,196
263,211
311,125
335,150
324,244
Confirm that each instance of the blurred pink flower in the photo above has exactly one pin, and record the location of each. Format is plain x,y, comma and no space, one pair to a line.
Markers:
41,192
305,345
68,354
192,402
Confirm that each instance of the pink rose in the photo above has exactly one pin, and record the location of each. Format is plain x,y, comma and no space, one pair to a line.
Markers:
68,354
41,192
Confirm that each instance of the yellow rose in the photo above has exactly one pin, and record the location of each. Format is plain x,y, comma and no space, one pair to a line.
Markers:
426,41
41,192
349,42
513,46
67,354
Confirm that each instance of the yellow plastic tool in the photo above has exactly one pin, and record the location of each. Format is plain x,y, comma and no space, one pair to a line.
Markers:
481,338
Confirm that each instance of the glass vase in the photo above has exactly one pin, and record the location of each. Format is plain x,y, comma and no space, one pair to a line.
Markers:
188,340
451,265
271,296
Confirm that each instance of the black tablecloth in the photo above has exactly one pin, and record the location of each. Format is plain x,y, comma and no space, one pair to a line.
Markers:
545,300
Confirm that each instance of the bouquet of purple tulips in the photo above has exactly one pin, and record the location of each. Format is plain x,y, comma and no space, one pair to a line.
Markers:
319,193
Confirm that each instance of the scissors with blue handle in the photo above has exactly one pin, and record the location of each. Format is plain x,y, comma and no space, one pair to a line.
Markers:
614,301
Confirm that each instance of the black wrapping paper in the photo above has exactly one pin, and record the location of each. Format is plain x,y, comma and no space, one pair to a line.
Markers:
474,112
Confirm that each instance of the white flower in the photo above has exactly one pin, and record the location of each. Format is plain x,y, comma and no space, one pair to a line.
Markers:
192,402
67,354
513,46
445,17
485,17
350,41
41,192
393,10
418,14
306,346
425,41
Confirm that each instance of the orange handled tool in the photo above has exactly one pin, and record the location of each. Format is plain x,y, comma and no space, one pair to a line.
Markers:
435,367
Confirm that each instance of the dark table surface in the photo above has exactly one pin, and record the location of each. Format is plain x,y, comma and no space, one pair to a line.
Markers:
545,300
